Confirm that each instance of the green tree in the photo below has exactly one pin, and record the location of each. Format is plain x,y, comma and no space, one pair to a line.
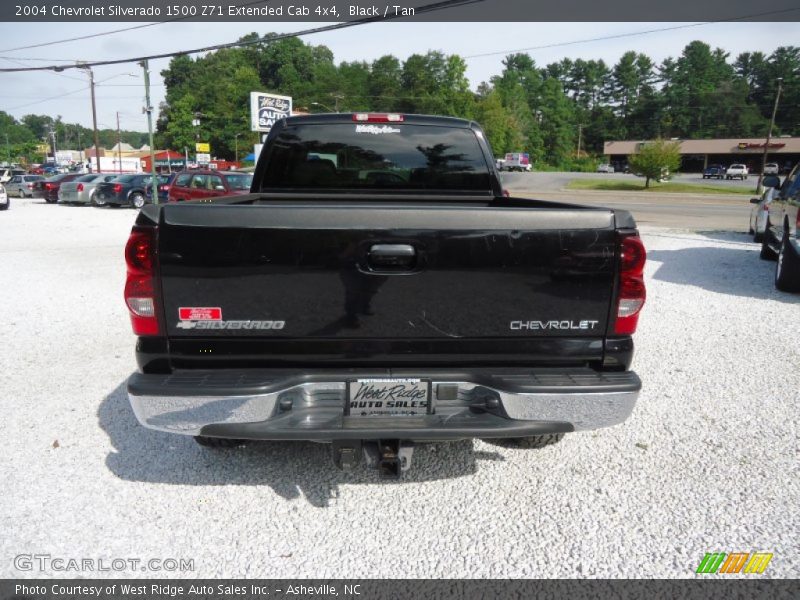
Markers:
654,159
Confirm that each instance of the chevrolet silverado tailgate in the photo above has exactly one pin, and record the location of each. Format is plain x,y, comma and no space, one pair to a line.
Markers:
391,279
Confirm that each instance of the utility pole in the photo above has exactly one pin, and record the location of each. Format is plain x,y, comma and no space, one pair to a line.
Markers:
149,110
580,133
236,144
80,147
53,136
119,146
8,151
769,135
336,98
88,69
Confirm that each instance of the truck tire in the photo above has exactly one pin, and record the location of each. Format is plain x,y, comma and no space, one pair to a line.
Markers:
766,253
214,442
532,442
787,269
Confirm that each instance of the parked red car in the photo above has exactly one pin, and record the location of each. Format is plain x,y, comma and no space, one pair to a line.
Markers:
194,185
48,188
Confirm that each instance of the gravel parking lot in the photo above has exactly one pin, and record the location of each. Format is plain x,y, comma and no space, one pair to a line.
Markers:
708,461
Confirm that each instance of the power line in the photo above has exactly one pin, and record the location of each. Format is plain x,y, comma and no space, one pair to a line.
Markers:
632,34
61,95
445,4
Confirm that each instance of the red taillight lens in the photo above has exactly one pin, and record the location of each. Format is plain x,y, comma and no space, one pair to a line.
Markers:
140,288
48,186
80,187
117,188
377,117
632,293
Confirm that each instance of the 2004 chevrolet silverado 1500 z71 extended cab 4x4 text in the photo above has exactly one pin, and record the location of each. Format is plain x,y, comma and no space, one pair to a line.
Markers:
378,288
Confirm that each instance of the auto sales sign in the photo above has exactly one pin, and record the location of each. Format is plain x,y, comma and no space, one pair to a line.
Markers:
267,109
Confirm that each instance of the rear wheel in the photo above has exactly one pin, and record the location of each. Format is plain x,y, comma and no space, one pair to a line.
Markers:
531,442
767,253
214,442
787,269
137,200
7,205
20,193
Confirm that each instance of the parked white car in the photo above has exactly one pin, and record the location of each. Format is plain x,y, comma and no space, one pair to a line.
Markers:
771,169
736,171
517,161
5,202
605,168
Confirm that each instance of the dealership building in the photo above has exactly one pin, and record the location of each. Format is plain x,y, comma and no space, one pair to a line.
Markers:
696,155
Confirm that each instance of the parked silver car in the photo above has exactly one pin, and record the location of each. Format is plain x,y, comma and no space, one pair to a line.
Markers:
5,202
21,186
82,189
759,213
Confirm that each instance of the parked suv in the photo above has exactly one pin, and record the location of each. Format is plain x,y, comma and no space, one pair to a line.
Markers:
193,185
771,169
781,239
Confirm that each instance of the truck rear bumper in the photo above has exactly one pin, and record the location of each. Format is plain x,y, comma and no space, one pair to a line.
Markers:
296,405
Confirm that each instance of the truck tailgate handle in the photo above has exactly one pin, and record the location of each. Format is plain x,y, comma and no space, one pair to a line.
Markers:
392,255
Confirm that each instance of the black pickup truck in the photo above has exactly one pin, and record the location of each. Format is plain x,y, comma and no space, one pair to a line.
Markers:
379,288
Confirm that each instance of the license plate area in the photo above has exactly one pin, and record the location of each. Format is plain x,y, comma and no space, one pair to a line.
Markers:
388,397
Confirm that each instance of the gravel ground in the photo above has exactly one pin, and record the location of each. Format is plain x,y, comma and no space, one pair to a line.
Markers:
707,462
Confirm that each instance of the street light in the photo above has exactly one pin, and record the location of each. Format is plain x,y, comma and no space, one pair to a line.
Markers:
769,135
328,108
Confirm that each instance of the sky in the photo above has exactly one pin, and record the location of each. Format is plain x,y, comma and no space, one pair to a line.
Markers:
121,88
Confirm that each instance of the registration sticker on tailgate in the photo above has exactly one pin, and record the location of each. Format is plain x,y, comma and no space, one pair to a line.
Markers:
200,313
388,398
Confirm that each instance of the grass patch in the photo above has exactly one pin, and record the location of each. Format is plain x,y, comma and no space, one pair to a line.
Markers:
615,185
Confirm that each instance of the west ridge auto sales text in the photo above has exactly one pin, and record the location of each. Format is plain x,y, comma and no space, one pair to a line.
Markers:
174,591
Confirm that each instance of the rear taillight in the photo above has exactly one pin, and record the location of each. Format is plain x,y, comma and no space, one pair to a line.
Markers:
378,117
140,285
631,294
80,187
30,186
48,186
117,188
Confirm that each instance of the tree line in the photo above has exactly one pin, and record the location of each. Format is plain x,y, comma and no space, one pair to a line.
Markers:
560,113
19,139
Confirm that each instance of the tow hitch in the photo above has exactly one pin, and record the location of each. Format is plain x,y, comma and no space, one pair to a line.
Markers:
390,457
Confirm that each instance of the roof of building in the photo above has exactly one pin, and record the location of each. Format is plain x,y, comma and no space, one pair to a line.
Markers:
122,147
778,145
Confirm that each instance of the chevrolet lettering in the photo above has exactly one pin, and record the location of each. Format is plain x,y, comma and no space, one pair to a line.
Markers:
586,324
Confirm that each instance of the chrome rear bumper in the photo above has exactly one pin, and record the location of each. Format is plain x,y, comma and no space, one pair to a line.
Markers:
312,406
